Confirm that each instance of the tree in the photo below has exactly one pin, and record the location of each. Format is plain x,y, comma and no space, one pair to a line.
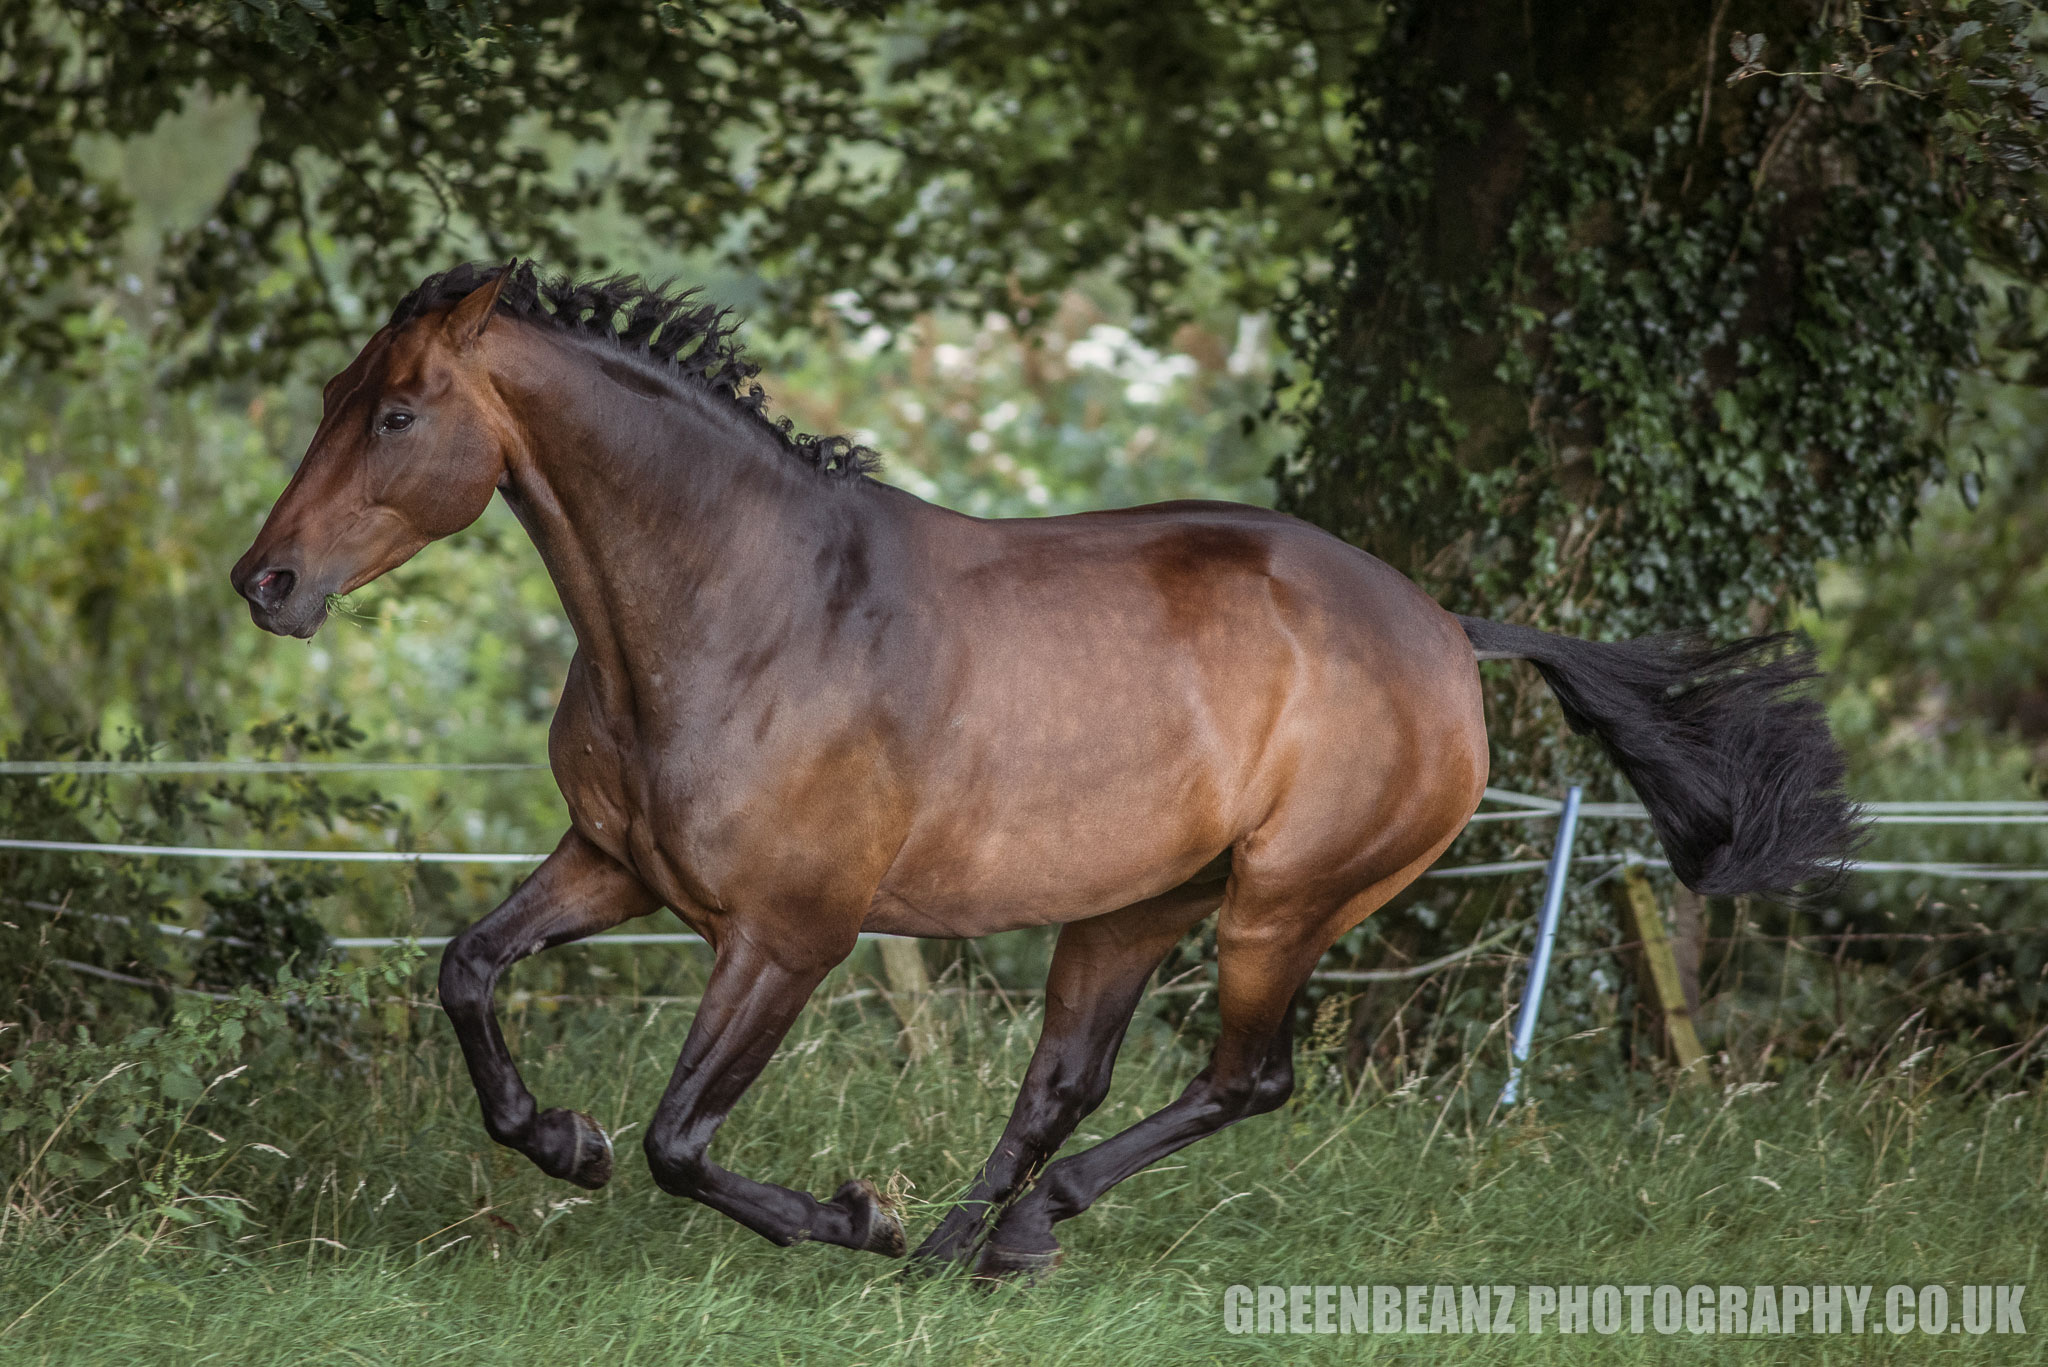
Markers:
1600,341
1640,313
977,155
1611,347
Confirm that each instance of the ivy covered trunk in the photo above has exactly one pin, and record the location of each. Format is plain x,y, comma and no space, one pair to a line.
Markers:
1610,346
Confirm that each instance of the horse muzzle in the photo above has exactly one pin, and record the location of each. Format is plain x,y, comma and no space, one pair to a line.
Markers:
280,600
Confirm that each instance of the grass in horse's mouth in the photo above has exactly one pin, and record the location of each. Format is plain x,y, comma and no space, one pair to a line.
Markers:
338,605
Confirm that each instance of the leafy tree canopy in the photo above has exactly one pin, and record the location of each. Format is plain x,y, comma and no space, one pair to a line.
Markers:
978,155
1628,329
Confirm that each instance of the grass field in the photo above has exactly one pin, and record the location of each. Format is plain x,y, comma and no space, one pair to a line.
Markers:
387,1229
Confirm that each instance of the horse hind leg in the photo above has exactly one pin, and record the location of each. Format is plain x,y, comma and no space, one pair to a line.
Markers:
577,891
1250,1071
1266,947
1099,970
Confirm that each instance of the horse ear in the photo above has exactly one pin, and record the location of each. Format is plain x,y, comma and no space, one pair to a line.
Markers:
473,314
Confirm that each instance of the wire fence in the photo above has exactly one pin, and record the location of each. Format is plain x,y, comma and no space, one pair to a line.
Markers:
1520,807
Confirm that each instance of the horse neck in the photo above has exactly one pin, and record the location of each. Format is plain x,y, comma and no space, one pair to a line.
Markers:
669,523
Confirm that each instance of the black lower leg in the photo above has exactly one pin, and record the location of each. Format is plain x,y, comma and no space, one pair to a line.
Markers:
577,891
1098,974
1068,1078
749,1004
1246,1076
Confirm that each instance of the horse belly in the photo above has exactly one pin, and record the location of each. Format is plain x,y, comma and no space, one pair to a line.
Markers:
997,878
1073,801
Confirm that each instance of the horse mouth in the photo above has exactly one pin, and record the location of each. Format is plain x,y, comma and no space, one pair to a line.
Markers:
312,623
299,625
276,605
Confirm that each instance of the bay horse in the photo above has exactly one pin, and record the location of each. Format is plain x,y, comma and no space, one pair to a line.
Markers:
806,704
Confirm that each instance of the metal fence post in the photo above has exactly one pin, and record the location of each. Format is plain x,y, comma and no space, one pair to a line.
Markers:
1546,935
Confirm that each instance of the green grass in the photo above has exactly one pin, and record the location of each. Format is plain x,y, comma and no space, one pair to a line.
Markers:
392,1231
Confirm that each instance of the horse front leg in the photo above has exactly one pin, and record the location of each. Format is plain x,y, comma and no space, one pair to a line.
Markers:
753,996
578,890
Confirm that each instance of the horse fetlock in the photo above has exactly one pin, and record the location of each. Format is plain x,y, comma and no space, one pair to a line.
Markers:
1271,1090
1237,1096
572,1146
511,1121
1026,1227
872,1225
957,1237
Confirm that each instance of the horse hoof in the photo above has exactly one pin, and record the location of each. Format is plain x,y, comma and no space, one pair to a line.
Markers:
875,1227
590,1149
1023,1267
944,1251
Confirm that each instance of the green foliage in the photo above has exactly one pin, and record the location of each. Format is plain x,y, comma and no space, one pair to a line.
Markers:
255,934
1691,363
128,503
1935,674
1972,67
117,1125
979,155
56,911
1949,628
1076,415
1010,150
56,223
120,499
1739,426
79,932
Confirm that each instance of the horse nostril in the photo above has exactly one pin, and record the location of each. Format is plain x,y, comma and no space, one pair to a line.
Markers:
271,588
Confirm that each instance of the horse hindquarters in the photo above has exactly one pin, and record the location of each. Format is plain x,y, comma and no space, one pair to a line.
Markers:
1324,859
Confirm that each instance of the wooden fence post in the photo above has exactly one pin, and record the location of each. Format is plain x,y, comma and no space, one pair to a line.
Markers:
910,993
1639,905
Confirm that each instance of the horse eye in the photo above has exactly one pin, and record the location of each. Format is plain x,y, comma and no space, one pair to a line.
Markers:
395,422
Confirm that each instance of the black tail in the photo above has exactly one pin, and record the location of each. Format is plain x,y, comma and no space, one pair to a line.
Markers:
1723,745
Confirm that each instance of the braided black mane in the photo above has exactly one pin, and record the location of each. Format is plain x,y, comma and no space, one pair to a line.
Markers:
669,325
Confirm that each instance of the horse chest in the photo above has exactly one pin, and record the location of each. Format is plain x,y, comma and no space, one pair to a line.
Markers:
673,805
601,766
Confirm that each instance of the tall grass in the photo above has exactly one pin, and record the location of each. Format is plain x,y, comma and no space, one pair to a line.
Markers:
378,1224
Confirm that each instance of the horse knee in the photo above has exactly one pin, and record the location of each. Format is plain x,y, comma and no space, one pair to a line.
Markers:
466,979
1076,1095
